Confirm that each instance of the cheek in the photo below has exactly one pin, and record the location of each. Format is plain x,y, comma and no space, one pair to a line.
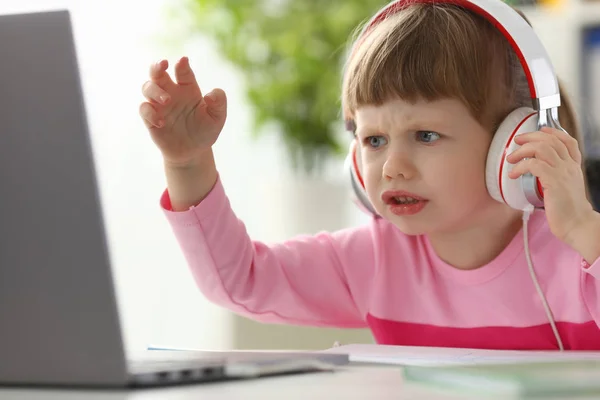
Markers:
462,177
372,168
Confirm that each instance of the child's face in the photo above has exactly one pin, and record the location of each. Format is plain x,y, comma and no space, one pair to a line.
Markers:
435,151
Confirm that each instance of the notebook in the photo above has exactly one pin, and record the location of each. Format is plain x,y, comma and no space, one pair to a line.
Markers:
559,378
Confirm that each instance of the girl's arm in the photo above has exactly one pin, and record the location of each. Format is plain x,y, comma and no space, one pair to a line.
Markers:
311,280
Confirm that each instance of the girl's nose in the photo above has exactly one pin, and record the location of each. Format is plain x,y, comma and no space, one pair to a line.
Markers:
399,166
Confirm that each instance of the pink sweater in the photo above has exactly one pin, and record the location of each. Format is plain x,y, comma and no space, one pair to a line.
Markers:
377,277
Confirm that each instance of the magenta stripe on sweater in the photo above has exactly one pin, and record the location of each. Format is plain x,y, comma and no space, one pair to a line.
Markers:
575,336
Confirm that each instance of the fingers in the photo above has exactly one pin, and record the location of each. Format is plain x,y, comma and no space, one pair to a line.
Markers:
569,141
534,166
155,93
159,75
150,115
545,154
216,102
183,72
565,145
541,150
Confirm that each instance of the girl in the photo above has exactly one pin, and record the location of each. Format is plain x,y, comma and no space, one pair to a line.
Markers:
424,91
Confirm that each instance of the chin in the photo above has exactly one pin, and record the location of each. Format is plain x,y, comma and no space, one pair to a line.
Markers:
432,220
412,225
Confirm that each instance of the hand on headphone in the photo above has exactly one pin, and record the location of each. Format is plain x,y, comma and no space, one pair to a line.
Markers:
555,159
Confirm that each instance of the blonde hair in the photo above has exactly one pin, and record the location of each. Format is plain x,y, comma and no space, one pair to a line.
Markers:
434,51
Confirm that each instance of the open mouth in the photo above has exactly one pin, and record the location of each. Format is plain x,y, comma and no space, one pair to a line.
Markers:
403,203
403,200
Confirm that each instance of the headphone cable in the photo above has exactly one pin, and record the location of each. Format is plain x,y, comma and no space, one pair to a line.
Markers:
526,214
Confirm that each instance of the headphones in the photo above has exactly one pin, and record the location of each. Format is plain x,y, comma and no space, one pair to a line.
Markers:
526,191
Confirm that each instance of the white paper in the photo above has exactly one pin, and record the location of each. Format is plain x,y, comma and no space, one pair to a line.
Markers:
437,356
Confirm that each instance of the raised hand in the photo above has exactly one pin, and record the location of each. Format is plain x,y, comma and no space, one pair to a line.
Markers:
183,123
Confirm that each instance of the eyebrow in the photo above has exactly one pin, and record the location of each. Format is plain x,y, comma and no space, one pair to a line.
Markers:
367,129
438,125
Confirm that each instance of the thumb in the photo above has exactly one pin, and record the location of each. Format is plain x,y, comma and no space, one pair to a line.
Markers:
216,102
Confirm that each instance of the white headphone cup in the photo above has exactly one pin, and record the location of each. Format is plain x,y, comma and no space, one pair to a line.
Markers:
519,121
359,197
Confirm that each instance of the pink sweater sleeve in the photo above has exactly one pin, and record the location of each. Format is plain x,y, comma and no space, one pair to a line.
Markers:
590,287
315,280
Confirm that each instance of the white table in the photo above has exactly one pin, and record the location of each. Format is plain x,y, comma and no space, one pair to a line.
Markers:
352,382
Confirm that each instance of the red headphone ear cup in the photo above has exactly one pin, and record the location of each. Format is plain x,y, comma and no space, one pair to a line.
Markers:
359,193
499,185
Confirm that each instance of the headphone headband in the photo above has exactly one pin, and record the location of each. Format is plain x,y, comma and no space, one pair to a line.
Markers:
543,83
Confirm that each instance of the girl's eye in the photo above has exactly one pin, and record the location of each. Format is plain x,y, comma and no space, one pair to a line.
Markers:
427,136
375,141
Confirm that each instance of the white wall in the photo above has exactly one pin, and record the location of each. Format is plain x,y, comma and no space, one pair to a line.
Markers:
116,42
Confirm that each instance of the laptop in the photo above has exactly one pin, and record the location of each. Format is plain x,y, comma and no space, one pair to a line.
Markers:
59,320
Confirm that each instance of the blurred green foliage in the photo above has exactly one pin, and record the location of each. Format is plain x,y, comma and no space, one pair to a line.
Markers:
291,53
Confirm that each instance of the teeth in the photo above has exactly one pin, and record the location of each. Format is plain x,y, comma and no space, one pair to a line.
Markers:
404,200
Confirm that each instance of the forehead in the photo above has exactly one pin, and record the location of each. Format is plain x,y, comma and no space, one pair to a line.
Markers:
398,111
